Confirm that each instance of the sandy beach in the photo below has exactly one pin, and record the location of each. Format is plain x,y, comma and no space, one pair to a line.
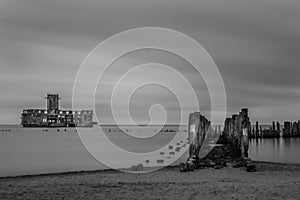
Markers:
271,181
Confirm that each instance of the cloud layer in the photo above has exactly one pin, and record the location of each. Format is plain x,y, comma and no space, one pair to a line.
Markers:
255,44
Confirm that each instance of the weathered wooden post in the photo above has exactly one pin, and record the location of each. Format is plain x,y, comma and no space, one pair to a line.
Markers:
249,131
260,132
257,131
192,131
226,130
231,129
298,129
238,128
197,129
273,133
295,130
245,127
278,130
287,129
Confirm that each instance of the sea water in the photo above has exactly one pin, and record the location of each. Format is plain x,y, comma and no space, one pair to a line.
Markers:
50,150
282,150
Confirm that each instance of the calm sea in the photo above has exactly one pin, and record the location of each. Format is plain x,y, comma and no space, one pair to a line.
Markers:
35,150
283,150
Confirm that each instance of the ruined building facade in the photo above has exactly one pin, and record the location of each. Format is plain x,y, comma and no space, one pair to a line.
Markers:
53,116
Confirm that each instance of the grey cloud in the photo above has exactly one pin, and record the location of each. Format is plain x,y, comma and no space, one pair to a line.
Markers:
254,43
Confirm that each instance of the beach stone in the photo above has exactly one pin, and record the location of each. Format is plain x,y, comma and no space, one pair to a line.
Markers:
218,151
221,163
201,163
230,165
229,157
210,163
190,166
138,167
240,164
218,167
133,168
251,168
183,167
248,162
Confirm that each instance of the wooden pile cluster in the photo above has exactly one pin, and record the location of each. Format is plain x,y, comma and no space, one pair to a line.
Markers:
231,148
272,132
291,129
236,132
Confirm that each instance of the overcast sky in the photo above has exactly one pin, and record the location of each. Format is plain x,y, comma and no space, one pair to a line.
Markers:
255,44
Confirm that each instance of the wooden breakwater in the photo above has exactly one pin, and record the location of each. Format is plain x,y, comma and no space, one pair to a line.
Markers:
231,147
258,132
289,130
236,132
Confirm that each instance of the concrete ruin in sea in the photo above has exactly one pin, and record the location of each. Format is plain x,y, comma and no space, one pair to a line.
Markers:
53,116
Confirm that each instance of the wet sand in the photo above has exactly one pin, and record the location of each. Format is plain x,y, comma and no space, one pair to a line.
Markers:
271,181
